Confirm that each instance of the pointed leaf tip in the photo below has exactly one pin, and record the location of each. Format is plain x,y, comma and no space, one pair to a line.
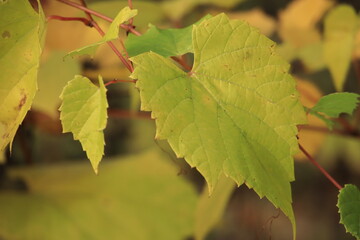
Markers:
83,112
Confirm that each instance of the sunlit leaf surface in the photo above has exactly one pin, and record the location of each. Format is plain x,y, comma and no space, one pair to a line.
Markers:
236,111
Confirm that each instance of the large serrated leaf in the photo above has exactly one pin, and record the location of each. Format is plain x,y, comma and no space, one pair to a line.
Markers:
349,209
83,113
340,26
21,30
124,15
136,197
235,113
166,42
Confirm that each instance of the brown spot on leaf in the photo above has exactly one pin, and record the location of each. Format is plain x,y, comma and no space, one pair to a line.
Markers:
22,101
6,34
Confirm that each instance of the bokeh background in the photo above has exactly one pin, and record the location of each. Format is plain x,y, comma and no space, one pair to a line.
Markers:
49,191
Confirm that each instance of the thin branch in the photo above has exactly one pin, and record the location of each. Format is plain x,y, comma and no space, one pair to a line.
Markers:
116,113
92,12
322,170
87,14
79,19
86,10
118,81
112,46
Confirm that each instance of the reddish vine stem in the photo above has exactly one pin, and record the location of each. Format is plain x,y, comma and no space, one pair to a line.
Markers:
112,46
87,14
119,80
92,12
129,28
60,18
322,170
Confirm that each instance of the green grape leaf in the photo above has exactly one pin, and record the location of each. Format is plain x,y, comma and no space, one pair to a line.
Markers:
83,113
340,26
21,35
336,103
349,209
235,113
124,15
166,42
136,197
211,208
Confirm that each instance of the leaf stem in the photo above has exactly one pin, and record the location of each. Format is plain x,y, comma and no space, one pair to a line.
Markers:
60,18
87,14
92,12
118,81
322,170
112,46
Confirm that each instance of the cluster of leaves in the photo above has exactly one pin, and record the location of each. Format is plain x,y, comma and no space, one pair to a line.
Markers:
235,113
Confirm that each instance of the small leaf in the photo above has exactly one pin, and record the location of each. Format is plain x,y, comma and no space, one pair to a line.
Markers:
336,103
124,15
349,209
211,208
339,38
165,42
235,113
21,32
83,113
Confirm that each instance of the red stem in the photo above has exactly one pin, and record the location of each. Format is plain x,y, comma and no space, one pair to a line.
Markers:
60,18
87,14
119,80
112,46
322,170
